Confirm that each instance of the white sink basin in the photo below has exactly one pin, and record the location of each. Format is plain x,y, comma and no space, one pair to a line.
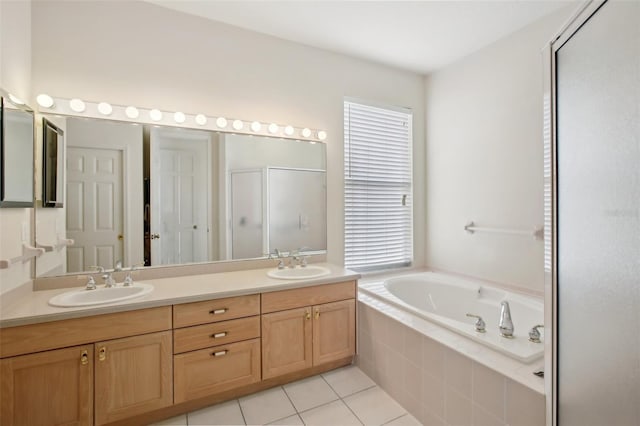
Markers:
100,296
299,272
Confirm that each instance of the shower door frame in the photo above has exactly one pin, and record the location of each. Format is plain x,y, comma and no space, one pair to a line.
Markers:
575,22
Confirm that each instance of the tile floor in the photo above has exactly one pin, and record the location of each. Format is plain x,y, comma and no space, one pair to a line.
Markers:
341,397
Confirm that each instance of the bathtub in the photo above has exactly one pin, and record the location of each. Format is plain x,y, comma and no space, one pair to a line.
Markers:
445,300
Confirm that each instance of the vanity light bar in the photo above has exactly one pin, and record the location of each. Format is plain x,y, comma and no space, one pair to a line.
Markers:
104,110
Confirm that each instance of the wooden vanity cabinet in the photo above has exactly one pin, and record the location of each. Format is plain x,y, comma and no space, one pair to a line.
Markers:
133,375
48,388
286,342
43,385
216,346
334,331
311,335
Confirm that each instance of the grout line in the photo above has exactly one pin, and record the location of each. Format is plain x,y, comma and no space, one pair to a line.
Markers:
290,401
396,418
343,401
241,412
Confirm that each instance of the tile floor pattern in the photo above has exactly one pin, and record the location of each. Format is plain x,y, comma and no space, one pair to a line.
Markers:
340,397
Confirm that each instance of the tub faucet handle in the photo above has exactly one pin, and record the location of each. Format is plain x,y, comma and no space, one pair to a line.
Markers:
481,327
534,333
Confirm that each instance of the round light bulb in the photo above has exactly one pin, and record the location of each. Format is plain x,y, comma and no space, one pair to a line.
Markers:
306,132
155,114
221,122
288,130
132,112
322,135
44,100
77,105
179,117
105,108
273,128
201,119
15,100
238,125
256,126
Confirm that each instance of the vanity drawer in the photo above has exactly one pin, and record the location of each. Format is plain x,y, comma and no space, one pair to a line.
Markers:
78,331
307,296
217,333
214,370
215,310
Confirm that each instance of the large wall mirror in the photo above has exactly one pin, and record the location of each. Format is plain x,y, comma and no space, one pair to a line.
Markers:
16,153
137,194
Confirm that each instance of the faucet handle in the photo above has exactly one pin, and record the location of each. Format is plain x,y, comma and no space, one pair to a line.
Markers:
480,325
91,283
534,333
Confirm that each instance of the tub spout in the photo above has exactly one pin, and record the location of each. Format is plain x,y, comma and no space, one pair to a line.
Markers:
506,325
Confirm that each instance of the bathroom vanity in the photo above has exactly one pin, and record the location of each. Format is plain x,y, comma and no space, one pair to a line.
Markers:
155,357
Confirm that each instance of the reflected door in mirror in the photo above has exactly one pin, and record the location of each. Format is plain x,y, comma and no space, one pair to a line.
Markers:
94,208
180,197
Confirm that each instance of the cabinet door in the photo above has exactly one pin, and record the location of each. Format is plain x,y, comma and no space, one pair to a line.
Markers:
286,342
134,375
48,388
214,370
334,331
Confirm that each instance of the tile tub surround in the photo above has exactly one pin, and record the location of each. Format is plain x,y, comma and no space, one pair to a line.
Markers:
340,397
436,383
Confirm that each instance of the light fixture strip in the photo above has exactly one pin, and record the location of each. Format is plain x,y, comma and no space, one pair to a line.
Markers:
62,106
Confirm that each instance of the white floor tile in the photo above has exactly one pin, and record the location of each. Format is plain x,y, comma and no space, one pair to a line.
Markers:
226,413
348,380
266,406
334,413
294,420
310,393
374,407
406,420
173,421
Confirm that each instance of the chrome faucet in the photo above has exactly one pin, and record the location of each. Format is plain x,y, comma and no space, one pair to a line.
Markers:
294,256
505,325
118,266
91,283
108,280
534,334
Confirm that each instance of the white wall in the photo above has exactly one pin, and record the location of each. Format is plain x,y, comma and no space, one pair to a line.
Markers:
484,158
15,77
137,53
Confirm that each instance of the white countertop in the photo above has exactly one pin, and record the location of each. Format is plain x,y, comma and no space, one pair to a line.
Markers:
31,307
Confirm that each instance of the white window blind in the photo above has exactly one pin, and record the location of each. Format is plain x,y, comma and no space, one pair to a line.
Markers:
378,194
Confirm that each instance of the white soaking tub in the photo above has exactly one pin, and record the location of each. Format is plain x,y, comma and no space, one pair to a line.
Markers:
445,300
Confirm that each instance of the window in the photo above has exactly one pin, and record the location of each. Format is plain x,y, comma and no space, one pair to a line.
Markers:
377,188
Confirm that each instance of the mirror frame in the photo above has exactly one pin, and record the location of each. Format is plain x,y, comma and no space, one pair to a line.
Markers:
58,181
3,180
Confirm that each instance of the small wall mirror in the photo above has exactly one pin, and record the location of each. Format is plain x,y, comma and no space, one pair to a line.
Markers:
16,152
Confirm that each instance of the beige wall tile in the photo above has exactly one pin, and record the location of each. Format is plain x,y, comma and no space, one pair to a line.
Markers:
458,372
524,407
489,390
433,357
458,410
484,418
395,336
433,394
413,346
413,379
430,419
